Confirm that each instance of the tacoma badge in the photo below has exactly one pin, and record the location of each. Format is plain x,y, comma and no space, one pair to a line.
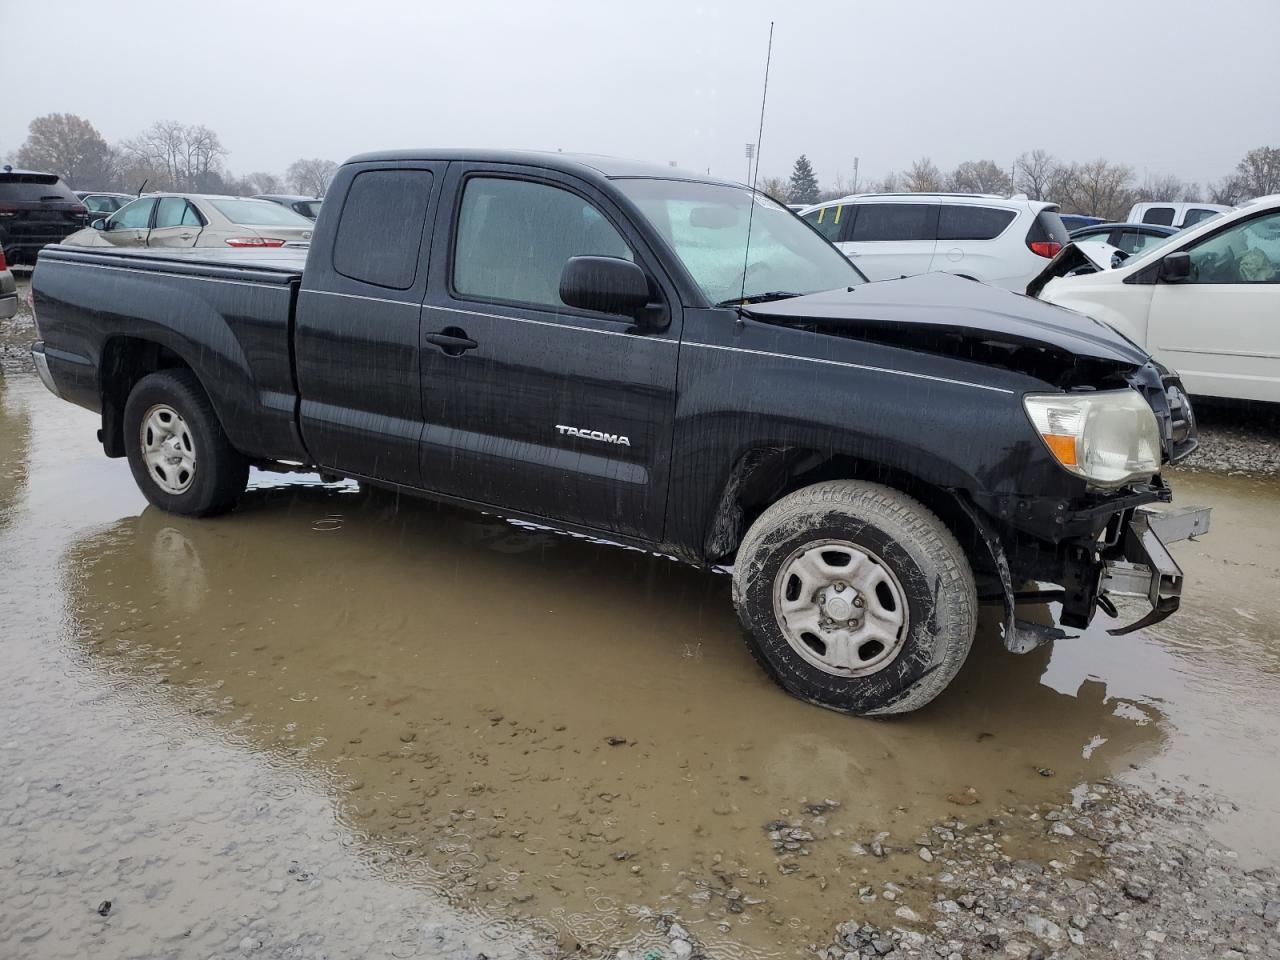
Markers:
593,435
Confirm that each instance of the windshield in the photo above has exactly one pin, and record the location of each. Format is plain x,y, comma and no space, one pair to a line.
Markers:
259,213
706,225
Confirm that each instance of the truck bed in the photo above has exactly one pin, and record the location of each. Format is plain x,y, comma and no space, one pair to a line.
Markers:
227,314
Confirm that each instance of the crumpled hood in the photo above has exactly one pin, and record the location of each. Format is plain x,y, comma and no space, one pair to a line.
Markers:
943,302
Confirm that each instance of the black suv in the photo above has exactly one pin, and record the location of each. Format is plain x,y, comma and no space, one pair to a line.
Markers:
35,209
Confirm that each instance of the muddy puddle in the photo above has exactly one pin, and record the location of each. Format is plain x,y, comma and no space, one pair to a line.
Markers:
475,730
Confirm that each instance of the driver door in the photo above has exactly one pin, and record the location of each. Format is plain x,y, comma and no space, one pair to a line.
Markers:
1220,328
531,404
128,226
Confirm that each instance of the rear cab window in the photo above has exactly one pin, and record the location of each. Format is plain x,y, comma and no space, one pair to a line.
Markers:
878,222
1196,215
965,222
379,236
1163,216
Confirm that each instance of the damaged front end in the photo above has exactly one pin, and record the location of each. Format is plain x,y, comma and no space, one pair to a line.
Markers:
1129,559
1105,546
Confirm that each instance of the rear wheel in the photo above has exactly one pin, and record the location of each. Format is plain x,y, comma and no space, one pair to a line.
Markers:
855,597
177,449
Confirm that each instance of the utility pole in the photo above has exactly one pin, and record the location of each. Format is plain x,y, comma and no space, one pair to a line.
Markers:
855,174
750,152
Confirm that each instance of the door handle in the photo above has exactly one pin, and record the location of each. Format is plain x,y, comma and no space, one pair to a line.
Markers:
185,236
452,340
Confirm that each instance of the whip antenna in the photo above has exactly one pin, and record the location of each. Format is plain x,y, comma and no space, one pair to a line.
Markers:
746,254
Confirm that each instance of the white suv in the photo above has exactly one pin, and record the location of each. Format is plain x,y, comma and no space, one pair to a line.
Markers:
1005,242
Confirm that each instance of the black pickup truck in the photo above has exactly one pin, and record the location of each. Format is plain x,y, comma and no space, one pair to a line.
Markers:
660,359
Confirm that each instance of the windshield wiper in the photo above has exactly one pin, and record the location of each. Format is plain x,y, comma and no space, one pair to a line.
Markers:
760,298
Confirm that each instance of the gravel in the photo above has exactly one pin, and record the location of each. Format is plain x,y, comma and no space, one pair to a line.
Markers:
1137,877
1237,439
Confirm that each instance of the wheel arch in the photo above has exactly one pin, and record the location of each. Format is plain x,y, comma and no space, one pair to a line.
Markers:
764,474
125,360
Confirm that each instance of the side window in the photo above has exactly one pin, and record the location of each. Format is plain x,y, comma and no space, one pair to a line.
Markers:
829,221
515,236
97,204
1196,214
191,217
962,222
134,215
379,236
1159,215
1247,252
893,221
170,211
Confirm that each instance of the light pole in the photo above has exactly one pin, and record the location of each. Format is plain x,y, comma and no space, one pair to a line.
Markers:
750,152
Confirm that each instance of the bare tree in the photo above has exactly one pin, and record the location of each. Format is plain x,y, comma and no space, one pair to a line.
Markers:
262,182
1166,186
1230,190
69,146
889,183
1038,174
177,156
311,177
775,187
1260,171
980,176
923,177
1099,188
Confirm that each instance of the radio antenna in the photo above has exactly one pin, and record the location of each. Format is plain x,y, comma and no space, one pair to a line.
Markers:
764,97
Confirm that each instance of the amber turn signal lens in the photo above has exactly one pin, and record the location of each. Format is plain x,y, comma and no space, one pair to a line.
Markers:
1063,448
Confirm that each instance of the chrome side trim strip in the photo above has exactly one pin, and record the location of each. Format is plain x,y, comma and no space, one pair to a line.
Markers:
180,276
854,366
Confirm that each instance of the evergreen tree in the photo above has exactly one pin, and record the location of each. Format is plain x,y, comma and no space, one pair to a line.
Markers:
804,185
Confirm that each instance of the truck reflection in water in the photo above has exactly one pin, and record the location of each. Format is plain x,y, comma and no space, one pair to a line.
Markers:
521,720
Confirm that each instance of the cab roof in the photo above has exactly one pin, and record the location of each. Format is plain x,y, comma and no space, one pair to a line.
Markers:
590,166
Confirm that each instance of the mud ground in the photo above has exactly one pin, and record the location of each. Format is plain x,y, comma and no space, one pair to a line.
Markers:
336,723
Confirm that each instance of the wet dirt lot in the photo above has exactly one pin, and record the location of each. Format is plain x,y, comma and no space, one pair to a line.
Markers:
335,723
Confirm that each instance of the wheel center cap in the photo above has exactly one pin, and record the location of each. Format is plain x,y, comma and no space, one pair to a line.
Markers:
838,608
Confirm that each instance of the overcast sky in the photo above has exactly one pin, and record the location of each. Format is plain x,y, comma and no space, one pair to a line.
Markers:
1168,86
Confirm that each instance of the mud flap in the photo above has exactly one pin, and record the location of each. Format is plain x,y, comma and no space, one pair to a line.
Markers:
1020,636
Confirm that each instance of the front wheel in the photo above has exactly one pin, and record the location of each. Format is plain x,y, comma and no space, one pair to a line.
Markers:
855,597
180,456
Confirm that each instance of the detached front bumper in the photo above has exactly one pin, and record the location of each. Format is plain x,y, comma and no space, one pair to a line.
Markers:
1139,565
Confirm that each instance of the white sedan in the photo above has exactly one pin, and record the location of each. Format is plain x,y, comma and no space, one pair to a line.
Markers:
1205,302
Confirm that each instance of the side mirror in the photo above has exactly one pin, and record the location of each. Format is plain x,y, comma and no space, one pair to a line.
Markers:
1175,267
604,284
99,224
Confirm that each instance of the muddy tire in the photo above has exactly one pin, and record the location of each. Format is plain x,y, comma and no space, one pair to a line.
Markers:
180,456
855,597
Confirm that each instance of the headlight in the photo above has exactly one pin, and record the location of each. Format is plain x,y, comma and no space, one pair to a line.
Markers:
1108,438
